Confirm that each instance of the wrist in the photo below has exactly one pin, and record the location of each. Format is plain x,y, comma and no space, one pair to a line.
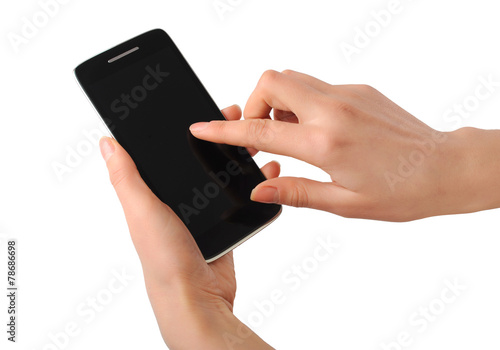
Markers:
474,168
203,325
224,331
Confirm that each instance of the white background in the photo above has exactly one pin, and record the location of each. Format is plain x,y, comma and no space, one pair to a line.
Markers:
72,234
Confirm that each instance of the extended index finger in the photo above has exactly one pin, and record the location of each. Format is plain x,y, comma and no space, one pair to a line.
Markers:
294,140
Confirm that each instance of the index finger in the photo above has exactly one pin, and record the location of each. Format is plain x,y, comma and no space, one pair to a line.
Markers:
288,139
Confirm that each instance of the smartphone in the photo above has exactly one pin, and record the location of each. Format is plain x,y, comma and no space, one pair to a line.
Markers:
148,96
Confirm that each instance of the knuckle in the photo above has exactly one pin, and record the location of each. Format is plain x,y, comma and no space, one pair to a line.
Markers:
356,92
288,72
260,132
298,196
268,77
219,127
365,89
326,145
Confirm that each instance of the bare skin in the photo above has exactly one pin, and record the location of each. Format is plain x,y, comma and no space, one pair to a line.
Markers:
192,300
384,164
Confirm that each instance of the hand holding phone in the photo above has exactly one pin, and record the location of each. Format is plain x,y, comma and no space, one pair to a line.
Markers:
148,96
192,300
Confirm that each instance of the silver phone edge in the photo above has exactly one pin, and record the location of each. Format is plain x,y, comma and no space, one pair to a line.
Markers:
246,238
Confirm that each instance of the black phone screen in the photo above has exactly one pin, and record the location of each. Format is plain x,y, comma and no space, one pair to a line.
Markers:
148,99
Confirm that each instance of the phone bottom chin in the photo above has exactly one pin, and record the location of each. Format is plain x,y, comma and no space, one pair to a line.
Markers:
236,229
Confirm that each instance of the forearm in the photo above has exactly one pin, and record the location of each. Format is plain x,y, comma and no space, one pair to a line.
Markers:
478,152
225,332
235,335
186,324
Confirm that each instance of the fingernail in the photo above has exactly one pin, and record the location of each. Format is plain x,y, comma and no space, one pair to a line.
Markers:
197,127
107,147
265,194
227,108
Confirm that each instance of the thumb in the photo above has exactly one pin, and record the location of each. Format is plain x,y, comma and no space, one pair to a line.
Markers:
301,192
160,237
134,195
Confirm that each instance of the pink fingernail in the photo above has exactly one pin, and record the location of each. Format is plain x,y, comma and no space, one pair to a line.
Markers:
197,127
266,194
107,147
